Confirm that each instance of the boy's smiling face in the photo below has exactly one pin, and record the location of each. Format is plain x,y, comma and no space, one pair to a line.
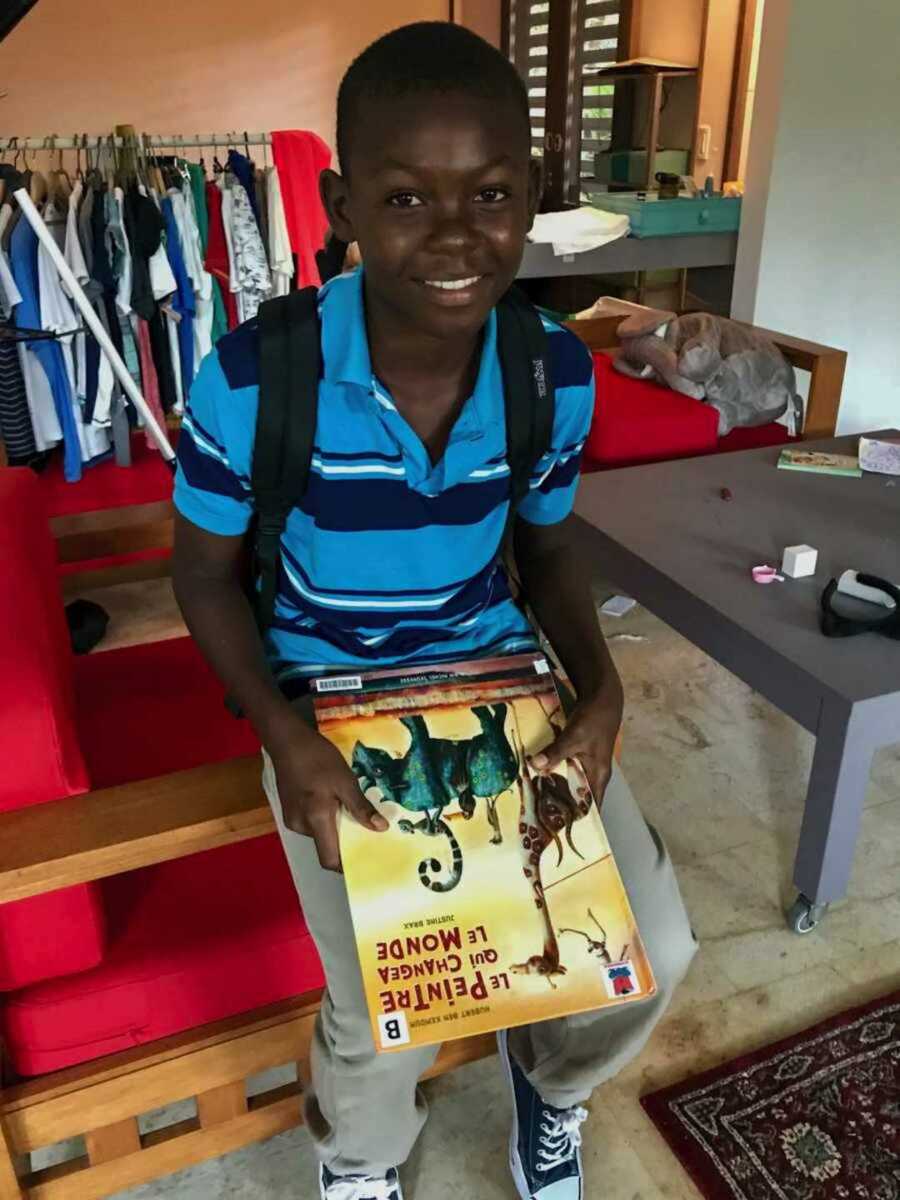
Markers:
440,194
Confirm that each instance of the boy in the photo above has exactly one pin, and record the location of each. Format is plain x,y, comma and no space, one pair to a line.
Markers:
393,557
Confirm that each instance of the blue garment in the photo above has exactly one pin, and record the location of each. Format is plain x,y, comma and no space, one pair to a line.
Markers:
23,254
242,168
183,299
389,558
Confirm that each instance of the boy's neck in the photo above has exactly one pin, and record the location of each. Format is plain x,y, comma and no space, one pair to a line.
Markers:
406,360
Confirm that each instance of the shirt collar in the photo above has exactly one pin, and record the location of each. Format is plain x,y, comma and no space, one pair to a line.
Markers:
345,348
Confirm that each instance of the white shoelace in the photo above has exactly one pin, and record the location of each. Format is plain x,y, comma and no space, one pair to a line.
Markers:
561,1138
360,1187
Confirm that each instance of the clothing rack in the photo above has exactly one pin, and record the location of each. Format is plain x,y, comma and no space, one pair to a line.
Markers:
88,141
125,138
93,322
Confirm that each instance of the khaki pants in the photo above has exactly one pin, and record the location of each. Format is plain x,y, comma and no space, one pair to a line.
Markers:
364,1109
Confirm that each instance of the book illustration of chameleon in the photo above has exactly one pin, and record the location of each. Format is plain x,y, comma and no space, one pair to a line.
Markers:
435,772
595,948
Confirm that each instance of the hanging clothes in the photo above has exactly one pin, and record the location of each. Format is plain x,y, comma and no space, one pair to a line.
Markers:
182,301
198,190
251,268
100,383
74,256
24,262
262,205
162,360
120,260
153,281
217,261
241,168
59,316
45,424
149,377
300,158
201,212
280,259
15,418
201,280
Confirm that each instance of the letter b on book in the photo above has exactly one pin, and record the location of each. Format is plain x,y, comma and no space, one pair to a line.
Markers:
393,1029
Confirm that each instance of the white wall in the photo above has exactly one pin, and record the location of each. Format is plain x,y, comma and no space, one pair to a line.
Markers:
820,245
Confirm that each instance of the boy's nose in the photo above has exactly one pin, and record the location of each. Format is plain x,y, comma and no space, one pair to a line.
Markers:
452,232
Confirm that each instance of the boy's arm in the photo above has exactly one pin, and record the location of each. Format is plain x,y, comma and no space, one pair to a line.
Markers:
313,779
556,585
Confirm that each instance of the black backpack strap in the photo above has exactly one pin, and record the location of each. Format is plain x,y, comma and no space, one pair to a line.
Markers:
289,370
528,393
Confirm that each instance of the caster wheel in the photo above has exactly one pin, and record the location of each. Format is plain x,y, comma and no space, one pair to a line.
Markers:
803,916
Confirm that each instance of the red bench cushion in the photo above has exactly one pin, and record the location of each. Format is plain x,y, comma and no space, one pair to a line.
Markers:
152,709
190,941
38,743
142,711
636,421
46,936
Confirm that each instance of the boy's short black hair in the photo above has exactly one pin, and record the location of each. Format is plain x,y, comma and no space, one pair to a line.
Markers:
426,57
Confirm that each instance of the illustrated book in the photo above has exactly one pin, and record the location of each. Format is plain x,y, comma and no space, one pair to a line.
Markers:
493,899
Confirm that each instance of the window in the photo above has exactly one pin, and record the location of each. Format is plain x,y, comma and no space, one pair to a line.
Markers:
557,46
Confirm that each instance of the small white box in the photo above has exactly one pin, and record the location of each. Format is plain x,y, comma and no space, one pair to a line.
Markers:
799,561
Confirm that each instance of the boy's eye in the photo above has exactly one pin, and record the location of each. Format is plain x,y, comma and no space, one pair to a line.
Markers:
404,200
492,195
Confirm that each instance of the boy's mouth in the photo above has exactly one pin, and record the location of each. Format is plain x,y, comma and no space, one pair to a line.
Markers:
453,285
453,291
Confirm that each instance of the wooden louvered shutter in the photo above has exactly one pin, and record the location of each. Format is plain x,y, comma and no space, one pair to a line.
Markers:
527,32
556,45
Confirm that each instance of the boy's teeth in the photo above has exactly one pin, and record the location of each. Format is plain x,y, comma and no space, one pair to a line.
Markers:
452,285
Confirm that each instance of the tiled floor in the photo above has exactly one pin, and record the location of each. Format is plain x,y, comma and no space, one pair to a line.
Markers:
722,775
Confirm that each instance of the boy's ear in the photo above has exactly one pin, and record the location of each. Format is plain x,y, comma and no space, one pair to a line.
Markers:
535,187
335,196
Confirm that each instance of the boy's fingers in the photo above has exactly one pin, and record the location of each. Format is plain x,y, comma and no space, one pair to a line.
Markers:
322,823
361,809
557,752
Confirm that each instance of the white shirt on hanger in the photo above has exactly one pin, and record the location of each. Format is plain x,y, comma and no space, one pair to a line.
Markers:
58,316
280,259
162,281
74,257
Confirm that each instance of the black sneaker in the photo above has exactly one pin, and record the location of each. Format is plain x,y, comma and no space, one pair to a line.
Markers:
359,1187
545,1143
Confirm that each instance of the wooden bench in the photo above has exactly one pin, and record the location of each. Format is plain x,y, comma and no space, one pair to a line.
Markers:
109,831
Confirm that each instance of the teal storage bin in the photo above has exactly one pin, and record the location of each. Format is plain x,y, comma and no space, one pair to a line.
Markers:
668,218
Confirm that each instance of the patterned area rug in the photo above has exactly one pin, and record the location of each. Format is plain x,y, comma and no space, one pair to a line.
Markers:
815,1117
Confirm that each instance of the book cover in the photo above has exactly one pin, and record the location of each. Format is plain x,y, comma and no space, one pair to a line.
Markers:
493,899
820,462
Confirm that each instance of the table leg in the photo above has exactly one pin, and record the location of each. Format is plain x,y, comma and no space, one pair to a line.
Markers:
834,803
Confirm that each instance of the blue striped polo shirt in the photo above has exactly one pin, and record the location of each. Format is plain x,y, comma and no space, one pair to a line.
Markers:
389,559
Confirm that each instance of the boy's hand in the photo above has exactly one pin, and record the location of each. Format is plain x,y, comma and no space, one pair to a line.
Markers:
314,782
590,736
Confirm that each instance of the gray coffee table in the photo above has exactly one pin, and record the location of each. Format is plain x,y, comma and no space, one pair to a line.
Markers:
664,535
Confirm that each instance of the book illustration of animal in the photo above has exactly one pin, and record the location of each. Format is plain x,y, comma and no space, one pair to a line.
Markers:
595,948
550,804
435,772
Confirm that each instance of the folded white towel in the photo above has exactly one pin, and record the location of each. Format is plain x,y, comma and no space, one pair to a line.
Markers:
579,229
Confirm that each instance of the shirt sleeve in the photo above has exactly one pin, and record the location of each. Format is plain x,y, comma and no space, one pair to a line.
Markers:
555,478
210,490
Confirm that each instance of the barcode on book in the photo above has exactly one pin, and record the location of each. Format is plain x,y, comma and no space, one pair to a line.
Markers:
541,666
339,683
